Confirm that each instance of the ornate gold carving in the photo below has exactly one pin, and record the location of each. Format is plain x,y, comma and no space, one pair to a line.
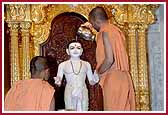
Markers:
133,60
118,12
18,12
42,15
14,56
37,13
140,13
40,28
26,50
142,67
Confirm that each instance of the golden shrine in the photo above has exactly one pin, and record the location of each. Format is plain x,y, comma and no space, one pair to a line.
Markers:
29,26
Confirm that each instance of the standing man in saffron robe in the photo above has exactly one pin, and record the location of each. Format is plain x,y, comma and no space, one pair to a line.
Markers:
34,94
112,63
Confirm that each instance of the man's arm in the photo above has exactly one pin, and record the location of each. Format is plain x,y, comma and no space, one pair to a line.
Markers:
108,61
52,105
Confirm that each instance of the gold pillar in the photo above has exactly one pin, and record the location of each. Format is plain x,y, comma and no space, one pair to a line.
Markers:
14,57
142,69
132,44
26,49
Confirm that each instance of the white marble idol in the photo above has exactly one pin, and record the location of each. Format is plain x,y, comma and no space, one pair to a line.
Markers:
75,71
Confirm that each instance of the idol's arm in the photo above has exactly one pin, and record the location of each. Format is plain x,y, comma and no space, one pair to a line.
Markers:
59,76
93,78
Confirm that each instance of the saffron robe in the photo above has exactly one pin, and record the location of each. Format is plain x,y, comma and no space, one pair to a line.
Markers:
29,95
116,83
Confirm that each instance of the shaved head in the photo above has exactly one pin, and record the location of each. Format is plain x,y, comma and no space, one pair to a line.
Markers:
98,13
38,64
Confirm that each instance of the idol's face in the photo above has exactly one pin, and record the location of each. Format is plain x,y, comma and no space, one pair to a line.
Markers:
75,49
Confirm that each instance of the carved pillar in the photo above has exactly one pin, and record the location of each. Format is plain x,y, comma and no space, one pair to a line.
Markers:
26,50
133,60
14,57
143,69
18,13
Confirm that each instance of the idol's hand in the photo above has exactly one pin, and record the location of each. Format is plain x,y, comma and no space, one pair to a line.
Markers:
57,81
96,76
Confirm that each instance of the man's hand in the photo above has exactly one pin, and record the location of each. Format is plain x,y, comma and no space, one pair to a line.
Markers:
88,25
